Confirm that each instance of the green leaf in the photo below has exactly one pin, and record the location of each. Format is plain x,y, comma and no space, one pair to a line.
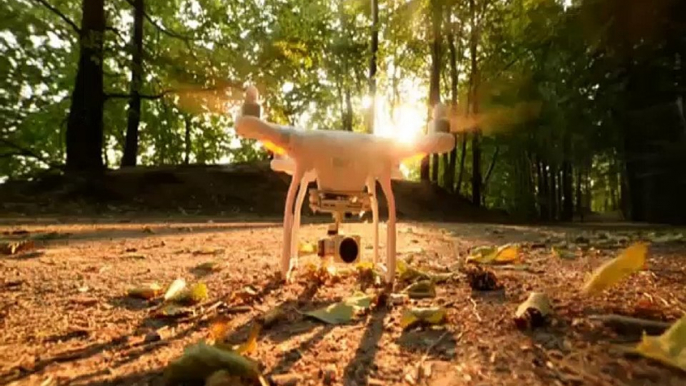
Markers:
342,312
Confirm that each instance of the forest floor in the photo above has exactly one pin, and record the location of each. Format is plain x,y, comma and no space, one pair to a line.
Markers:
66,316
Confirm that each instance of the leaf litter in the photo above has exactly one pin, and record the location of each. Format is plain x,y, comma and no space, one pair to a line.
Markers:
212,363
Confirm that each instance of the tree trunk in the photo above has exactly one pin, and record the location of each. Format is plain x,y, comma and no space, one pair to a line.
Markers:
372,65
451,159
579,193
187,140
84,137
543,202
134,113
458,187
552,192
476,138
434,83
567,192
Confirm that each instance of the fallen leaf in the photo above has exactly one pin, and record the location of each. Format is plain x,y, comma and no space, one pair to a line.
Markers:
175,289
534,311
201,361
407,273
173,311
193,295
666,238
668,348
146,292
13,248
251,344
563,253
630,260
210,266
342,312
243,295
504,254
421,289
416,316
147,229
305,248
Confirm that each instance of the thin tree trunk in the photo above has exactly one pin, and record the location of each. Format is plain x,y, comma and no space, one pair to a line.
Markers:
567,191
491,167
187,140
451,159
552,192
476,138
84,137
372,65
134,112
579,194
434,84
463,153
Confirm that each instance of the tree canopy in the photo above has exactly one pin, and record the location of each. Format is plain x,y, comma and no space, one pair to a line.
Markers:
559,107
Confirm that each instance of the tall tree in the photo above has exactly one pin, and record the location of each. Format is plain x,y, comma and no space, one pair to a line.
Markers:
85,123
372,64
474,102
436,9
134,111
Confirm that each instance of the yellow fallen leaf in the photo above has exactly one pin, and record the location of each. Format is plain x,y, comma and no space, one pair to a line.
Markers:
305,248
668,348
407,273
504,254
146,292
251,344
415,316
630,260
175,289
507,253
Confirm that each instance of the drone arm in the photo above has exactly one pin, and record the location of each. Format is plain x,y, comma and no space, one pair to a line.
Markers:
255,128
387,189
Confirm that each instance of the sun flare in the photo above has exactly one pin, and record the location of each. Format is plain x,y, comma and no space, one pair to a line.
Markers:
406,123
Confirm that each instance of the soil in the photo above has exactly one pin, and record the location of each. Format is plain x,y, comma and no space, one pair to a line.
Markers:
67,320
66,317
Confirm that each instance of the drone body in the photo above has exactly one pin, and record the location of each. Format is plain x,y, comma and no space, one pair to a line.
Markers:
342,163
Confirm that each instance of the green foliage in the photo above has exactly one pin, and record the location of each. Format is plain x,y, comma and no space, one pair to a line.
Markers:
557,86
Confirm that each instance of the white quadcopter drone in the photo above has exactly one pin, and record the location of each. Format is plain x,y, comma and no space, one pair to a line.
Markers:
343,164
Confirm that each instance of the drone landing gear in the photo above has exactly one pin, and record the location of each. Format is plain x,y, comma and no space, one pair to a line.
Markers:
337,203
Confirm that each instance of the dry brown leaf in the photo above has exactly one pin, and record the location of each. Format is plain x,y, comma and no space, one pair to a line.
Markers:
534,311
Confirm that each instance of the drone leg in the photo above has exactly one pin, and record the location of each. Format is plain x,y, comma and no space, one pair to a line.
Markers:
288,225
296,220
390,229
371,188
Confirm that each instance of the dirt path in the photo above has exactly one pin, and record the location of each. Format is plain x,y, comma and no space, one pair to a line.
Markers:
66,319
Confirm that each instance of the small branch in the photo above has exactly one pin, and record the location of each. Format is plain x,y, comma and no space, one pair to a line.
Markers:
629,325
59,14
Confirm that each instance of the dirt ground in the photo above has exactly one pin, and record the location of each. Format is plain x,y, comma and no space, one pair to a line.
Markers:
66,318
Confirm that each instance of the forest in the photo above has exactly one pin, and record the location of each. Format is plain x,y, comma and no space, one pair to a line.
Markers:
559,108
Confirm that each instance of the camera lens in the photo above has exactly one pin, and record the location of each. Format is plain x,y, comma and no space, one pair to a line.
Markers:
348,250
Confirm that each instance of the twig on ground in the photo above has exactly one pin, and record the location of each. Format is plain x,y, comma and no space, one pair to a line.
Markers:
631,325
476,313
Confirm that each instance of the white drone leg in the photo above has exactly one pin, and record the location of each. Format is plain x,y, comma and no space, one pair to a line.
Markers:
288,225
296,220
371,188
390,229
